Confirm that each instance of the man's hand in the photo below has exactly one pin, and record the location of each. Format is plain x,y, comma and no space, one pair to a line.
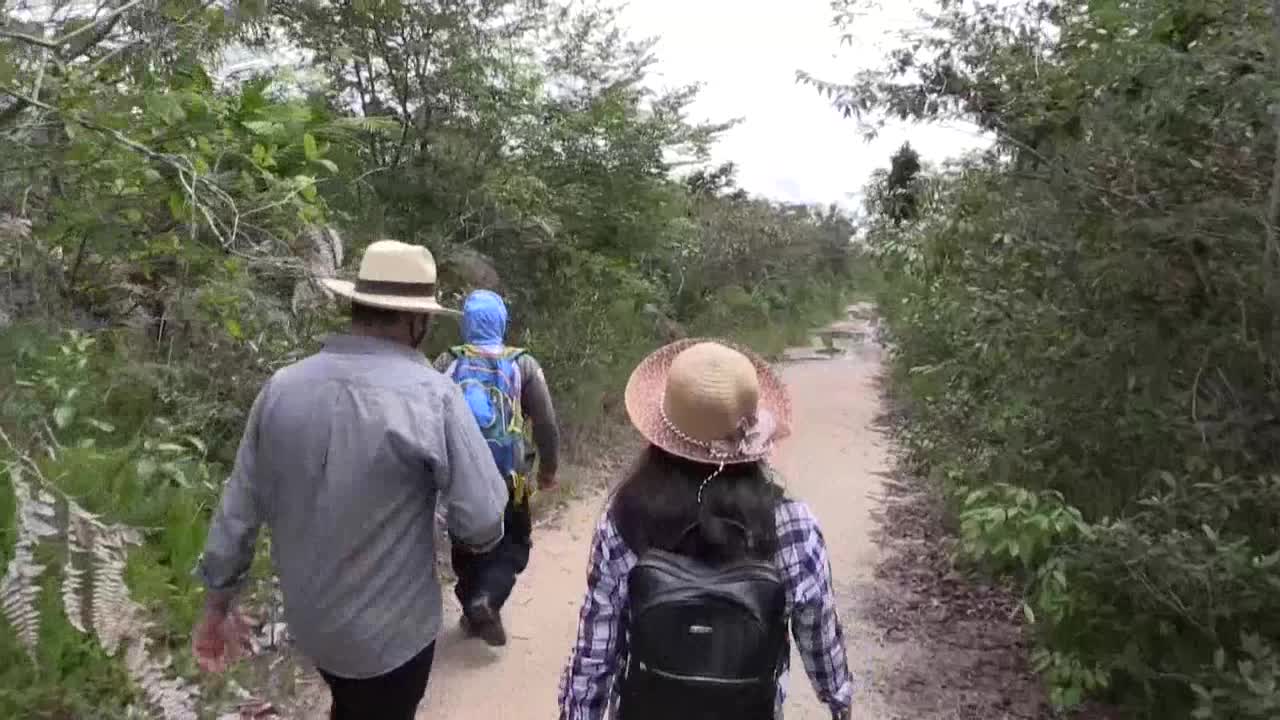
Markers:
547,480
220,638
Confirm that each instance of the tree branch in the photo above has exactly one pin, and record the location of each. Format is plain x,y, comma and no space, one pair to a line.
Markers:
90,43
110,20
88,124
111,17
12,112
29,39
99,37
190,180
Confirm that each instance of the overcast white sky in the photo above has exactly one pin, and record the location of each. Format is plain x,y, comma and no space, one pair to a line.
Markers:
791,145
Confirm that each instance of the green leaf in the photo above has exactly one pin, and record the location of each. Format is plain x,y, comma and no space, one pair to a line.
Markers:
64,415
178,475
100,425
177,206
306,187
261,128
1071,697
167,108
1028,613
233,328
1026,552
1209,533
309,147
328,164
146,468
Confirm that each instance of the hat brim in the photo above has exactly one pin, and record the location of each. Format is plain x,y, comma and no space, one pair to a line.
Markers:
423,305
647,385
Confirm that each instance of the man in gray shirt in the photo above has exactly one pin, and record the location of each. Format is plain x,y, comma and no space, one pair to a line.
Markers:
344,457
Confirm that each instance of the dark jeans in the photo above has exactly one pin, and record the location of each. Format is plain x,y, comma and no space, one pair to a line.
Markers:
494,572
393,696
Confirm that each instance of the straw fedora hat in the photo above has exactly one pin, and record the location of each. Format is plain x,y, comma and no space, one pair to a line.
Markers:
393,276
709,401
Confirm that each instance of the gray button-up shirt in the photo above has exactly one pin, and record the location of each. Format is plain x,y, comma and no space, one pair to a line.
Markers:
343,458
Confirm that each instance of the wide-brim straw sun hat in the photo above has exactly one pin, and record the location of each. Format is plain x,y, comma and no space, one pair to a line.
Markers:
393,276
709,401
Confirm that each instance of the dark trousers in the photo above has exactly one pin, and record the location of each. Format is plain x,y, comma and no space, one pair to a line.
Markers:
393,696
494,572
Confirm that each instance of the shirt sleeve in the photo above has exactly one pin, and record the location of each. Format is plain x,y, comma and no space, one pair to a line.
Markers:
233,534
473,489
587,686
815,624
535,401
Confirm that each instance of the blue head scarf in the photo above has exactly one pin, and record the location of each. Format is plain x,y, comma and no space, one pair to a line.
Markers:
484,319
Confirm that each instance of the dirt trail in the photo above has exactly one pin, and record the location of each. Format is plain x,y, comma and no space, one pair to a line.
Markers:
834,461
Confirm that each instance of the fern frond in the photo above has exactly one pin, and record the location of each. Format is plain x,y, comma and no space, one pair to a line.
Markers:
79,539
115,615
20,587
121,623
94,579
174,698
20,592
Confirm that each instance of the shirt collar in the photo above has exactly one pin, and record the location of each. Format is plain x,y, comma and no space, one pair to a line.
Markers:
346,344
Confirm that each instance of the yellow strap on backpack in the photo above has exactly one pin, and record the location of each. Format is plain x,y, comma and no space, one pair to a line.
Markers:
521,491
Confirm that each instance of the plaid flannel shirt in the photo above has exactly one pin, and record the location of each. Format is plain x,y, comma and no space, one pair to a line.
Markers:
588,690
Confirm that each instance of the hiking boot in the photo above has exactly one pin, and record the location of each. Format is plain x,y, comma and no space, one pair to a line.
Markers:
481,620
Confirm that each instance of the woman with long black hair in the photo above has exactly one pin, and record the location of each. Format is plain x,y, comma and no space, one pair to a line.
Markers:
701,564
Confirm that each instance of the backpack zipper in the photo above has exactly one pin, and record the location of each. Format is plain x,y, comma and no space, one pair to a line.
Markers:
699,678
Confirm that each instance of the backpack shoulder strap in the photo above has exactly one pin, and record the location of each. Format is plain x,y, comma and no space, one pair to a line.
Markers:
459,353
508,353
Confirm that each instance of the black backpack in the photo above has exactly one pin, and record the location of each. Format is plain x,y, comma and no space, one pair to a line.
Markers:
705,643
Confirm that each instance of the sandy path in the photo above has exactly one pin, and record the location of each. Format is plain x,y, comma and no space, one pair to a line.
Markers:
832,462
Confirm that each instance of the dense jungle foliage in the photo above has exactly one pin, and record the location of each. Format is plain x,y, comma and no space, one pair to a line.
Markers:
165,202
1085,323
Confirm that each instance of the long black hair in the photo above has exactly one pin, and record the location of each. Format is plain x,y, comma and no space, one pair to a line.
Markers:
656,506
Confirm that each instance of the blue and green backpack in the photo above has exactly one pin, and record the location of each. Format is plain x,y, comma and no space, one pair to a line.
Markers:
491,385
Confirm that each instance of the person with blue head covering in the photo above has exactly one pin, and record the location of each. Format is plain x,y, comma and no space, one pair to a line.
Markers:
505,390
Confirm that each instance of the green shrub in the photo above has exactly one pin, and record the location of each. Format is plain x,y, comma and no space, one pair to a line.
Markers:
1085,337
124,446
